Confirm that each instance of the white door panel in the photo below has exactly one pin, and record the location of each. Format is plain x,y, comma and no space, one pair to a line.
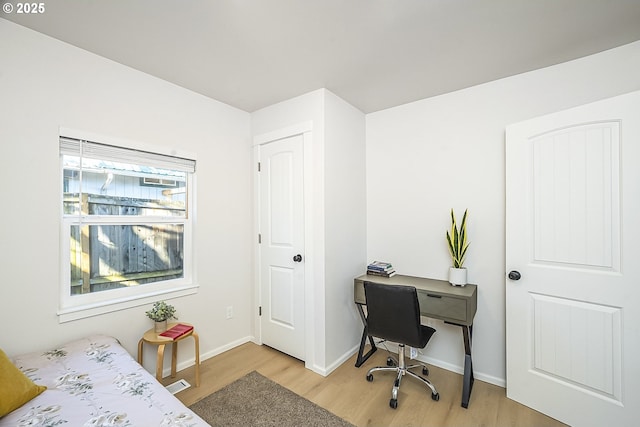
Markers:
281,297
575,187
578,343
282,238
572,227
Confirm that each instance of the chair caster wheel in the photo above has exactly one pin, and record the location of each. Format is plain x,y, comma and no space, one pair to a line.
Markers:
435,396
425,371
390,361
393,403
370,377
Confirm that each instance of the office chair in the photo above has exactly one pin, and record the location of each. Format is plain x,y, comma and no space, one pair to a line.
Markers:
393,314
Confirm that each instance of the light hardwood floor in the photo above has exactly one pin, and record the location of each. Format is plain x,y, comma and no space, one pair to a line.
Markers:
346,393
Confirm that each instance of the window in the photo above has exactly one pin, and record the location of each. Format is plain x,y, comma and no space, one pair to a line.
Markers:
126,227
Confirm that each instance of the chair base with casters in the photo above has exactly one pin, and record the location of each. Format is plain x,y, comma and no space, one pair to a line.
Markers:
401,369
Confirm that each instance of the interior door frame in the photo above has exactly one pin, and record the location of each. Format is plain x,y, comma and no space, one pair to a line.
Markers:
304,129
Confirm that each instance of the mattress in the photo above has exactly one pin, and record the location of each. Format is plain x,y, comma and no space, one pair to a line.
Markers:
94,382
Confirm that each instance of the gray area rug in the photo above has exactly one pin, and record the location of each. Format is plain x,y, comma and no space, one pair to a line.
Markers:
254,400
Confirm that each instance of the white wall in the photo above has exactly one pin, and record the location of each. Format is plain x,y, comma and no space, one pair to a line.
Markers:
45,84
345,225
445,152
339,215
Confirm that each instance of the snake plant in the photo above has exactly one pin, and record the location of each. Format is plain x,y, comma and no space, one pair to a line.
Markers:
457,240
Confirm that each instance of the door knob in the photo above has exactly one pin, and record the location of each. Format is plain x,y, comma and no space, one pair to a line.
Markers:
297,258
514,275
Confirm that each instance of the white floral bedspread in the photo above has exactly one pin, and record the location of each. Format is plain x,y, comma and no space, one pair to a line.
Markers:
95,382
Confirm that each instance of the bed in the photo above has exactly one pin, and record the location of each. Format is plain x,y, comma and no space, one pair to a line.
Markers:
89,382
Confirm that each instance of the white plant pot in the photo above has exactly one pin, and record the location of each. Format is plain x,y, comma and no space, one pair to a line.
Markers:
458,276
160,327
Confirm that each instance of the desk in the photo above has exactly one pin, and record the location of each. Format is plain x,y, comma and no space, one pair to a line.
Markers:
152,337
438,300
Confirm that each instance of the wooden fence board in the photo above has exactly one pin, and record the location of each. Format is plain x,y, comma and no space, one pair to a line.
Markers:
124,255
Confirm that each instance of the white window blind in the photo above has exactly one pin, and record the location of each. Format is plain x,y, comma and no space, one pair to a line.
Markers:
95,150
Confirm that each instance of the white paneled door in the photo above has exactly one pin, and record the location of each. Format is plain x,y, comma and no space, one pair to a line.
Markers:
573,263
282,259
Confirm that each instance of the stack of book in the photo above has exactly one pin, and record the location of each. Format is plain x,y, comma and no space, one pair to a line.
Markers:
379,268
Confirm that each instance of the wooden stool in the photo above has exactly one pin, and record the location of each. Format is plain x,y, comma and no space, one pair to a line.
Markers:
152,337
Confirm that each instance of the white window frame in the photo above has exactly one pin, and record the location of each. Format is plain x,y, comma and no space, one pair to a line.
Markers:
73,307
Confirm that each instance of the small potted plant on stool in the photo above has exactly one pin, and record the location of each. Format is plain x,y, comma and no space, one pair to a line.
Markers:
160,313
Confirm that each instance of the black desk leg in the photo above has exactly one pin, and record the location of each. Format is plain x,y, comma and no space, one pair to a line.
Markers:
362,358
468,379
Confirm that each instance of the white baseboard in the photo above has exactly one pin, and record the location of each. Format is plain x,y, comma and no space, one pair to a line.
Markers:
458,369
333,366
209,354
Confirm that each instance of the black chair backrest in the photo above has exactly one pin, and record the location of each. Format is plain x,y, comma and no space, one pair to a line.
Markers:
393,313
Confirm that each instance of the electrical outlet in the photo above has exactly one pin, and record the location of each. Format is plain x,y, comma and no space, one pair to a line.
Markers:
229,312
413,353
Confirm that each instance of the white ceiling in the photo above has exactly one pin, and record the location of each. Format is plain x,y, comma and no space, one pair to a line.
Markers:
375,54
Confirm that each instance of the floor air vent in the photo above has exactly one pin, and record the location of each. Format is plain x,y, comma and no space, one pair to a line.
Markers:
178,386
